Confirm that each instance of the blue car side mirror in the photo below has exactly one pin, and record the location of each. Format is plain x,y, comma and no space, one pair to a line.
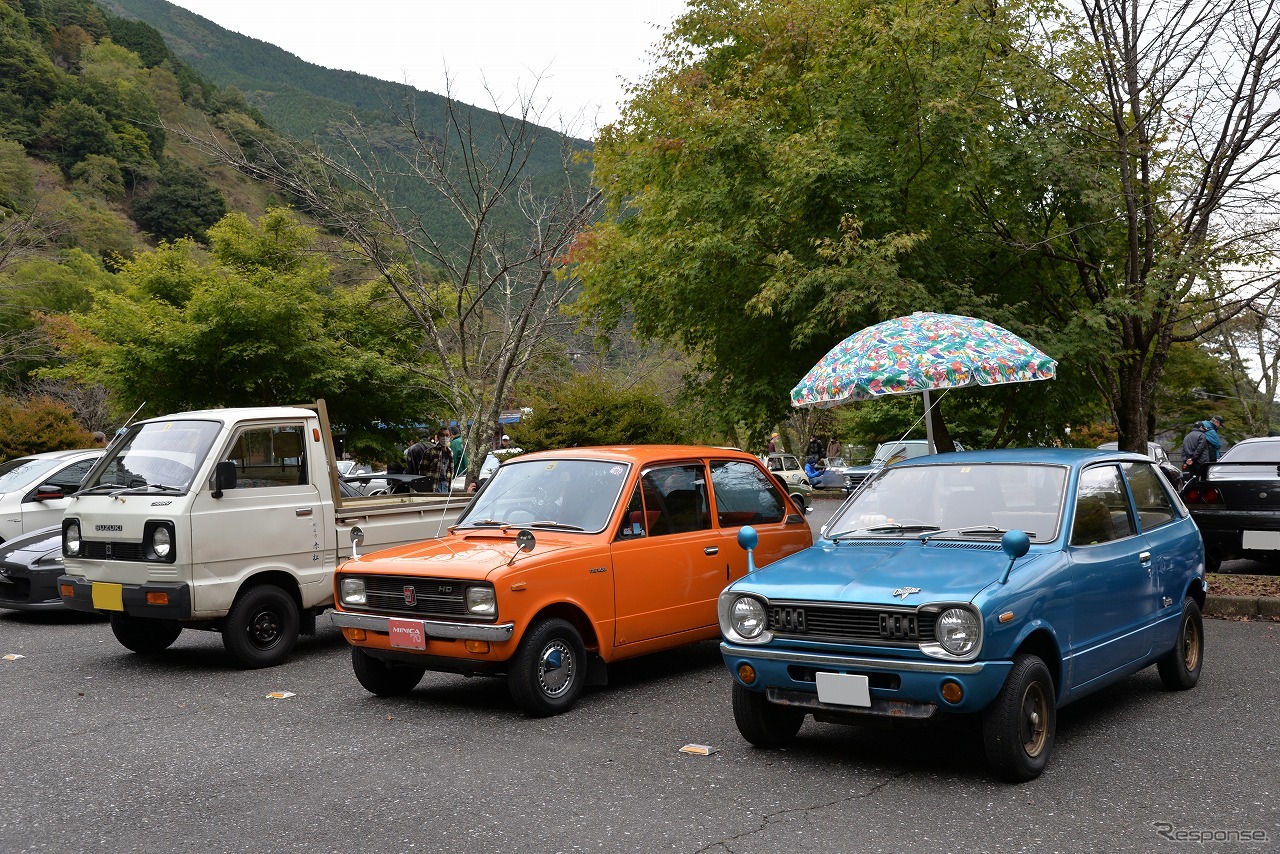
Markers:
1015,544
749,539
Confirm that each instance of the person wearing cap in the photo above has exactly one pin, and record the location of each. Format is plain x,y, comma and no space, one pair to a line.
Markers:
505,448
1197,449
1211,436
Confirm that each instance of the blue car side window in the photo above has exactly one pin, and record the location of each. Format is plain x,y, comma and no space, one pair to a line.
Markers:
1102,507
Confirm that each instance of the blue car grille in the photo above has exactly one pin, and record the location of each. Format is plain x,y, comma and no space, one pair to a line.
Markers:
856,624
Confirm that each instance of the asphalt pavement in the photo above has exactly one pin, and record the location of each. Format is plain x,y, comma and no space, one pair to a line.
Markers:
107,750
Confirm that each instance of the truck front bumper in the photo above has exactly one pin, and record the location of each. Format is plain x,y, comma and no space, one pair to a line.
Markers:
156,600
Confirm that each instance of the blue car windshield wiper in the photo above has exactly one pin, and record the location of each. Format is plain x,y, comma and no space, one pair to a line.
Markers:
884,529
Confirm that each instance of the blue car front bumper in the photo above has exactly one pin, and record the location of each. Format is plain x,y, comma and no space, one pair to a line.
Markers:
906,689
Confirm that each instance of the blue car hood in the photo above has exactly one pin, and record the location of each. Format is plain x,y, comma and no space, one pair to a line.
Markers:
865,571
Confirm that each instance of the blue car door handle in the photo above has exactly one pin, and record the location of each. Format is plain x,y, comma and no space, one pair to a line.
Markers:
1145,559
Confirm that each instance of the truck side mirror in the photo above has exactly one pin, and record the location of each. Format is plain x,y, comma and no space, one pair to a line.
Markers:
224,477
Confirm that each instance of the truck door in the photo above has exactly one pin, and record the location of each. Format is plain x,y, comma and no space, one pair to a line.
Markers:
272,519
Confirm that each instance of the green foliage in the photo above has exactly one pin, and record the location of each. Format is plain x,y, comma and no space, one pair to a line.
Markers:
74,130
795,171
595,410
99,175
28,79
143,39
17,180
182,204
256,319
37,425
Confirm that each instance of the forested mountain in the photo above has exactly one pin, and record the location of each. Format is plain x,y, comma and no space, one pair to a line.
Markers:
304,101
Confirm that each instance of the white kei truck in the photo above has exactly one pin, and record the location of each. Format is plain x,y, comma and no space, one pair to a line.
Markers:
230,520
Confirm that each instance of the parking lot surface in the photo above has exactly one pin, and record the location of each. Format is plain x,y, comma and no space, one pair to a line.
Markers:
104,749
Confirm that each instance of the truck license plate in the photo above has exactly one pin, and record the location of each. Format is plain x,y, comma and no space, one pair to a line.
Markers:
407,634
108,596
844,689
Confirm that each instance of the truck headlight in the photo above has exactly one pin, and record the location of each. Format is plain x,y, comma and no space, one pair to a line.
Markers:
747,617
71,543
352,592
958,631
157,541
481,602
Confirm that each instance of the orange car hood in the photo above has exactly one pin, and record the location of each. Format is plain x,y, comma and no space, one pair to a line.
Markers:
471,556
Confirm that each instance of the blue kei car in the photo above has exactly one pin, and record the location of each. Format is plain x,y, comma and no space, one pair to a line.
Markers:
999,585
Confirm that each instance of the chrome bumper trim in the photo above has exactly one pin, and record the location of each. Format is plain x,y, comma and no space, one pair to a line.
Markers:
432,628
822,660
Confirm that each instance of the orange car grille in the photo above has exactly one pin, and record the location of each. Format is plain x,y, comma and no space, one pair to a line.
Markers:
415,596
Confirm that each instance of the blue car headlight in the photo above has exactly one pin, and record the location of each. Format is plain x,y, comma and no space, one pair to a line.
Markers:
958,631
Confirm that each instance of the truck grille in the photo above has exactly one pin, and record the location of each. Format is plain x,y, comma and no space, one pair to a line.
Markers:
854,624
112,551
416,597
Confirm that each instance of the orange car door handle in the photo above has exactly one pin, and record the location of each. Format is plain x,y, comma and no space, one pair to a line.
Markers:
711,550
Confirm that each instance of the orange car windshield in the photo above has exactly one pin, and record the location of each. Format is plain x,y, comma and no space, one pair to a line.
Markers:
569,495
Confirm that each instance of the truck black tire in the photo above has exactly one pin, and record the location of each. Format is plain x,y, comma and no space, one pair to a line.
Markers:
143,636
379,677
261,628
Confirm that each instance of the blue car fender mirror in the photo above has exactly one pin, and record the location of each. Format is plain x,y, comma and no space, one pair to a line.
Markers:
749,539
1015,544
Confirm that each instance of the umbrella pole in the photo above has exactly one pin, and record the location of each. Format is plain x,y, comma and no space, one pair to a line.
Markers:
928,422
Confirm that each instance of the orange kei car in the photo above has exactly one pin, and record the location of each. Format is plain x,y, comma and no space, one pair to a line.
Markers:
563,562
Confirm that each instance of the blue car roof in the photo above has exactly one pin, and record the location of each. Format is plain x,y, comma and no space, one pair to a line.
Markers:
1055,456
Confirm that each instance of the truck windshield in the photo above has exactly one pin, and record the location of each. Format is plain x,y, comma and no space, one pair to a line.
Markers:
956,500
567,495
156,455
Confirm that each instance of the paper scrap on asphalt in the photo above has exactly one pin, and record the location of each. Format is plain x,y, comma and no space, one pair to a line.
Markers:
698,749
280,695
13,656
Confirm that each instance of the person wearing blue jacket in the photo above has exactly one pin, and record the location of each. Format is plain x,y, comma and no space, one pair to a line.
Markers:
811,469
1212,438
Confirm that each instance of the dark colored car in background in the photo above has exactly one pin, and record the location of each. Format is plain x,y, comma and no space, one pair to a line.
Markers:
1236,503
29,568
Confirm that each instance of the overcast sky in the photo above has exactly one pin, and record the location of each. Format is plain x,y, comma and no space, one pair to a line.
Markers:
584,50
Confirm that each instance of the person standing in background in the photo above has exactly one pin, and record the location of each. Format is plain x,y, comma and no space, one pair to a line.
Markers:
459,451
1211,436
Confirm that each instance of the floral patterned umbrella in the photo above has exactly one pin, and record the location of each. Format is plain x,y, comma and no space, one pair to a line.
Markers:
920,353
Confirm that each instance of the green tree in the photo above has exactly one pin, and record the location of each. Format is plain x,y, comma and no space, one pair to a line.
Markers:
182,204
599,410
793,172
73,130
257,320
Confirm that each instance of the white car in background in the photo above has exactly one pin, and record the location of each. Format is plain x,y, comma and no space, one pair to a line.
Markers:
35,489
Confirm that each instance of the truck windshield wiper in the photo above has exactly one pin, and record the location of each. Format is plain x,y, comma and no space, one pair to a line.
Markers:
562,526
102,487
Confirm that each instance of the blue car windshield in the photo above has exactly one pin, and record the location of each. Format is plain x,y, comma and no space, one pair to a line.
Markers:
954,500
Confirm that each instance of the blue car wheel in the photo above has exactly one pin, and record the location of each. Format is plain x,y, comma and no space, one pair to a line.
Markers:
764,724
